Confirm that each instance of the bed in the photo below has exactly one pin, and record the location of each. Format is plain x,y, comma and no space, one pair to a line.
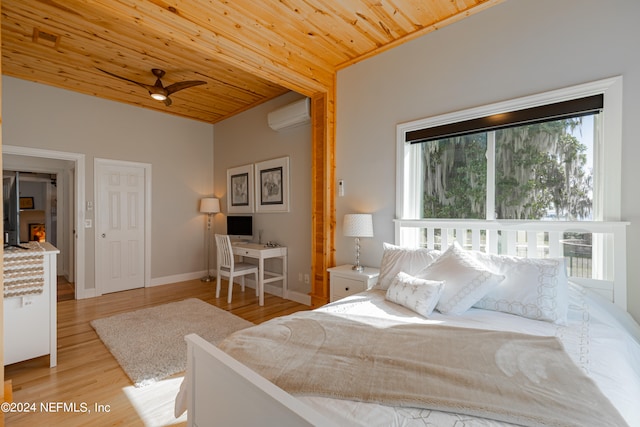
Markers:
471,323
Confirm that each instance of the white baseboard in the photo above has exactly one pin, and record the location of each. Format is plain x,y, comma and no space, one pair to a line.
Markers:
176,278
158,281
296,296
273,290
85,293
299,297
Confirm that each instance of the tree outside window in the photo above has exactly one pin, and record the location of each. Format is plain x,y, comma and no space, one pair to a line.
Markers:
541,171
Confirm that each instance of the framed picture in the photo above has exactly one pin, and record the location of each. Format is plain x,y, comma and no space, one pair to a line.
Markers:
26,203
37,233
240,189
272,185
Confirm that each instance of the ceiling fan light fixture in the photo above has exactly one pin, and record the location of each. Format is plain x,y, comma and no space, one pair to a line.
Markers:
158,96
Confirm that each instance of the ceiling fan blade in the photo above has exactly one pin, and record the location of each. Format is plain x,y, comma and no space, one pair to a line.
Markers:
146,86
172,88
157,90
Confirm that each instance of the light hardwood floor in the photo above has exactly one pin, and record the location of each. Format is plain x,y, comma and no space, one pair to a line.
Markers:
88,373
66,290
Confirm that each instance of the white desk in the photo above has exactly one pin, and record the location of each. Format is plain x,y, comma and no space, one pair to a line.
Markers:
262,252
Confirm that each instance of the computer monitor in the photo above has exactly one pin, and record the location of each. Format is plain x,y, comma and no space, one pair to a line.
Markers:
240,227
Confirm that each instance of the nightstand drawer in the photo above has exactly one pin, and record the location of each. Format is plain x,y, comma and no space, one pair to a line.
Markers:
342,287
345,281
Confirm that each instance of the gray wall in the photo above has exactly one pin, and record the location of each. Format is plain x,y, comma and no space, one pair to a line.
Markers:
179,150
515,49
247,139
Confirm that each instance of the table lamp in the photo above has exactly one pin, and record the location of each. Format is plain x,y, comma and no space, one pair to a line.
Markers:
357,225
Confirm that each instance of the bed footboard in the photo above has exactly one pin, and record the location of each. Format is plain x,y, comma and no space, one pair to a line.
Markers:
223,391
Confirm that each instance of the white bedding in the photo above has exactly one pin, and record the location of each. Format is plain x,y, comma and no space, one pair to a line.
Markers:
601,339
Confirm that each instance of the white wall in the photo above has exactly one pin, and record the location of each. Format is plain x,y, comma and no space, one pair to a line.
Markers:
247,139
511,50
179,150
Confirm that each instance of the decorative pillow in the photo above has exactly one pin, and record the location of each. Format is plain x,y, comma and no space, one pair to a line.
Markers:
396,259
536,288
416,294
466,281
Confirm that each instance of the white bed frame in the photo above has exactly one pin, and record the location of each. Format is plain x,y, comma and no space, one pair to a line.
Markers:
222,391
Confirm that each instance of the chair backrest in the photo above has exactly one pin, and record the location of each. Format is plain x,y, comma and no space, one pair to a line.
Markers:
225,253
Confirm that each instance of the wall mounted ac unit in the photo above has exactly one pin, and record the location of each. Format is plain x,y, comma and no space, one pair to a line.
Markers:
291,115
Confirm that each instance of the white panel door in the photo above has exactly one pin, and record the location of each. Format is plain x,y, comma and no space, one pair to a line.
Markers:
120,227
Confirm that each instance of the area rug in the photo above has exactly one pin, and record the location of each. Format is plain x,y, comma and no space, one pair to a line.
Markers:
149,343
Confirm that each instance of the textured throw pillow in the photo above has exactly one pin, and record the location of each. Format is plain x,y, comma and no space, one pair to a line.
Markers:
536,288
396,259
416,294
466,281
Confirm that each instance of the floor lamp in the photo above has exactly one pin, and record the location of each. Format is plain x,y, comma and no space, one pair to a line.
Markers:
210,206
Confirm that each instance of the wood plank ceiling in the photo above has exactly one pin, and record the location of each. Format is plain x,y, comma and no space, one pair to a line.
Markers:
248,51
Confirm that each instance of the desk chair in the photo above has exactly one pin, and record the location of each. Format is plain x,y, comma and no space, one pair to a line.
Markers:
229,268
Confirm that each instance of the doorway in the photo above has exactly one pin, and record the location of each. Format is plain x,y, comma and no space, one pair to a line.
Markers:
69,171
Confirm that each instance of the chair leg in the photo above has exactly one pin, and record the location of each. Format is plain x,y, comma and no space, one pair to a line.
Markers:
218,285
230,289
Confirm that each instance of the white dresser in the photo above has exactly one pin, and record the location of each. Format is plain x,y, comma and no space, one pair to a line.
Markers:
343,281
30,298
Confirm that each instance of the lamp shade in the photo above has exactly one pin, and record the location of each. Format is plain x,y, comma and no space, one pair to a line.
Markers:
209,205
358,225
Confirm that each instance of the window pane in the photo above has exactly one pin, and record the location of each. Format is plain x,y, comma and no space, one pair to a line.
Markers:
542,171
455,175
545,170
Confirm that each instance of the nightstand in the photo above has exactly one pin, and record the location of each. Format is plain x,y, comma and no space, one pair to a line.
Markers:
343,281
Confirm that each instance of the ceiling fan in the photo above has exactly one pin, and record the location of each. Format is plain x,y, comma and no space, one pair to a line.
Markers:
157,90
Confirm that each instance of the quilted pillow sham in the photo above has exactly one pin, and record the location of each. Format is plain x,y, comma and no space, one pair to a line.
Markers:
416,294
535,288
396,259
466,280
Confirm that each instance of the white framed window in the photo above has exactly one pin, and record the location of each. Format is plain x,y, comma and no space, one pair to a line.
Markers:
413,177
417,179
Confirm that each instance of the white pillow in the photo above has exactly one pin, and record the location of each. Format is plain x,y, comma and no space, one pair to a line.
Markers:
396,259
536,288
466,281
416,294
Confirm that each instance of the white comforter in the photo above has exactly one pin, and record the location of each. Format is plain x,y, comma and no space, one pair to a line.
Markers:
602,340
